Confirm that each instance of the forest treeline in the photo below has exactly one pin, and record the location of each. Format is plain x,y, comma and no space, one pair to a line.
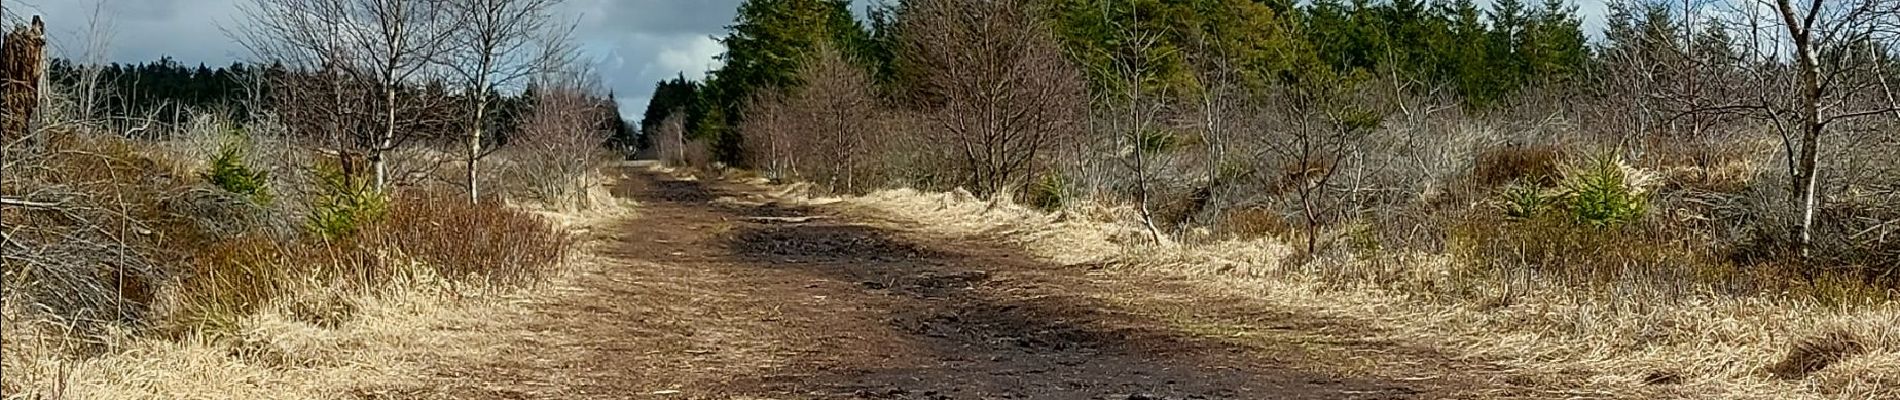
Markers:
1481,54
171,92
1683,137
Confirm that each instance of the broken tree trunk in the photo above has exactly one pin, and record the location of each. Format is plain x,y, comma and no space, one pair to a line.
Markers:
21,66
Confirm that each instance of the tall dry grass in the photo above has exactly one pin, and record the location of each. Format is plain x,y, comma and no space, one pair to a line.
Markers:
131,277
276,352
485,242
1572,340
1579,313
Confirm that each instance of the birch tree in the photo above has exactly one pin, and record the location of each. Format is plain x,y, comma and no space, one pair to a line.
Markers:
384,44
499,43
1821,66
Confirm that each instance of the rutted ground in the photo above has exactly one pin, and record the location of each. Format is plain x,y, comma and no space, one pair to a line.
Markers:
715,292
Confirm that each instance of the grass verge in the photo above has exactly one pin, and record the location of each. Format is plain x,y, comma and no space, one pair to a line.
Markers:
1627,339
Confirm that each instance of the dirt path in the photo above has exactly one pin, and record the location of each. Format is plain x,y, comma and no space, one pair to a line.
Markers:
702,296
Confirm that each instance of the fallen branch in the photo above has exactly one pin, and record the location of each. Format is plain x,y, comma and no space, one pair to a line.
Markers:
27,203
792,220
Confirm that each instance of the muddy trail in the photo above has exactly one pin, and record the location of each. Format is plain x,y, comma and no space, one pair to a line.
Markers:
716,292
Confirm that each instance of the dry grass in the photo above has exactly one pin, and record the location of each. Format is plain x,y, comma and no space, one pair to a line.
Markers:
230,301
1624,339
310,340
1537,164
483,242
276,352
103,210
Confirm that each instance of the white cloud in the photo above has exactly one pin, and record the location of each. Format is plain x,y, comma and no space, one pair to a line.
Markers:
693,56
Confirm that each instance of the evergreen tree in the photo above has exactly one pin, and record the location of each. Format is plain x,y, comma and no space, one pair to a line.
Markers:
764,46
677,94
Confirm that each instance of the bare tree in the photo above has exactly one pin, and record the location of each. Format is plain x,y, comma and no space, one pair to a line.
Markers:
671,143
403,37
496,46
381,44
1308,132
830,116
993,79
1217,108
763,131
1132,111
1821,66
317,99
559,141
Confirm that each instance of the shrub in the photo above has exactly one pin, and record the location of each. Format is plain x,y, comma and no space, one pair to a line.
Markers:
1252,223
700,155
1533,164
73,247
1603,193
230,172
483,242
344,203
1521,201
1863,233
225,282
554,178
1049,193
1564,252
1157,141
1814,353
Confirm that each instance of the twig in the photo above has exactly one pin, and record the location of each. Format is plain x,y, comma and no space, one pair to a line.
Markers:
27,203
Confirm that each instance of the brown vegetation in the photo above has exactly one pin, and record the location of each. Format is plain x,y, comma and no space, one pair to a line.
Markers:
1533,164
995,87
1661,187
485,243
822,132
23,49
212,244
1814,353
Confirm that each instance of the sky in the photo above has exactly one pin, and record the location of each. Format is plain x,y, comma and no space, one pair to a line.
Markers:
634,43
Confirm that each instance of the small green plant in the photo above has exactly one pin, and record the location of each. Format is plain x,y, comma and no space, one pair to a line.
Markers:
345,204
1523,201
230,172
1602,193
1049,193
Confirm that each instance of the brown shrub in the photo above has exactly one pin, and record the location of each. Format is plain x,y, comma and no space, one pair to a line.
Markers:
1654,257
557,149
86,224
1253,223
484,242
225,281
1295,174
1001,89
1817,352
440,232
1538,164
1565,252
1704,165
1862,233
1855,235
699,155
818,131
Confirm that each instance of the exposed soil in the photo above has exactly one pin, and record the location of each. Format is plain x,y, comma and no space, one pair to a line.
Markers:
714,292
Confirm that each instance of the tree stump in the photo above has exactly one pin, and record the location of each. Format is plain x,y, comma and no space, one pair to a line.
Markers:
21,67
